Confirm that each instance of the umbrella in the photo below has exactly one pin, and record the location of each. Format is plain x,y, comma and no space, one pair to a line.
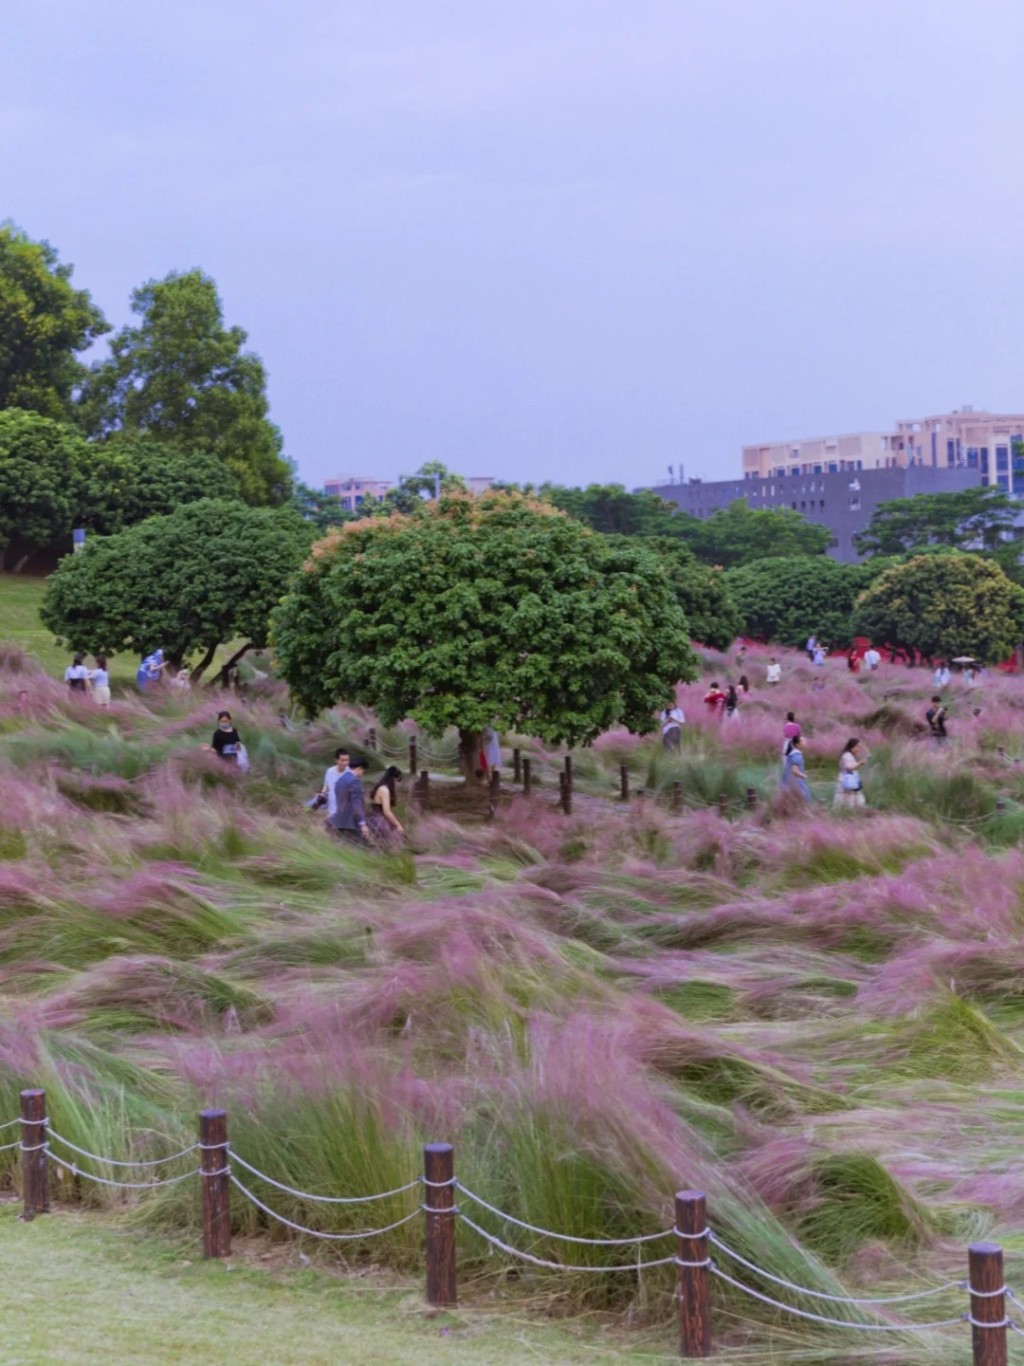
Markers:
964,659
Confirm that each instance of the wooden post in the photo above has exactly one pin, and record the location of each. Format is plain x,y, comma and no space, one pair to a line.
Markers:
751,798
692,1256
439,1201
517,766
723,805
677,796
35,1172
494,792
568,770
988,1304
424,789
213,1164
527,778
624,782
371,739
412,755
1000,805
565,793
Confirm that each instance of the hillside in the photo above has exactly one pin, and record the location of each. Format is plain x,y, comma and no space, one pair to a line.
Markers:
816,1018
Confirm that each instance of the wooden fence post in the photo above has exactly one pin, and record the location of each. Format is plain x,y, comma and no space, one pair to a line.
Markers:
517,766
1000,804
565,793
439,1209
693,1258
723,805
568,769
213,1165
527,778
371,739
988,1304
751,798
412,755
424,789
677,796
35,1170
624,782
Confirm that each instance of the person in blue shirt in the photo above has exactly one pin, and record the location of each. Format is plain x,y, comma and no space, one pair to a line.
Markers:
794,775
349,818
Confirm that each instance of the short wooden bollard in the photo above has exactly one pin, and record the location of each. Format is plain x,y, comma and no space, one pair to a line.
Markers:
568,769
35,1169
988,1304
565,793
527,778
424,789
412,756
751,798
677,797
723,806
215,1181
517,766
693,1258
439,1210
371,739
1000,805
624,782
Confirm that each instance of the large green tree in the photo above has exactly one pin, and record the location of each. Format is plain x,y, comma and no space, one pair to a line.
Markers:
472,612
131,477
974,518
180,375
701,591
739,534
41,465
202,576
44,324
785,600
615,511
944,605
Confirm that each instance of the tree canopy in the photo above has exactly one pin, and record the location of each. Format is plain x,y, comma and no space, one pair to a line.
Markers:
739,534
40,479
974,518
131,477
785,600
700,590
609,508
473,612
206,574
180,375
44,323
944,605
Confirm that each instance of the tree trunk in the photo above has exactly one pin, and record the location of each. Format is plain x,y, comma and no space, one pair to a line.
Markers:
222,675
470,744
205,662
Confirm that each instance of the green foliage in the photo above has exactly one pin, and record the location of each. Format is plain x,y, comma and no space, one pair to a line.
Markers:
409,493
183,377
131,477
740,534
786,599
479,611
701,592
40,464
944,606
320,510
859,1201
609,508
962,520
205,574
44,323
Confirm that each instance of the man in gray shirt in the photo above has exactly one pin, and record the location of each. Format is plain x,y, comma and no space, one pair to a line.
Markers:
349,818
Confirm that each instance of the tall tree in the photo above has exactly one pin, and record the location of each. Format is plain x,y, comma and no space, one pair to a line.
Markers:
700,590
41,465
44,323
610,508
204,575
133,476
785,600
944,605
974,518
496,610
184,377
739,534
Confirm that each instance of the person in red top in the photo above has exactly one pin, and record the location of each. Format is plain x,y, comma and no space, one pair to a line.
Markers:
714,698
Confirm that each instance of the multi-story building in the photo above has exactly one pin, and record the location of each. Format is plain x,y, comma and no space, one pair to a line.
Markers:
354,490
980,441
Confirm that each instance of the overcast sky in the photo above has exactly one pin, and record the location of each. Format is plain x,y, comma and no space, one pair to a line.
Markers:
569,239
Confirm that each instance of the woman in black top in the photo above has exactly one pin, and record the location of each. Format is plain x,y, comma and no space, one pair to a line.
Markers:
226,740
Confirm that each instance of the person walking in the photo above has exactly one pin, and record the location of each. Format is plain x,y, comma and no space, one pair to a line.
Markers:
790,730
942,675
99,681
349,820
849,786
744,684
714,699
773,674
731,705
331,777
384,825
672,720
76,675
872,659
819,656
794,774
811,647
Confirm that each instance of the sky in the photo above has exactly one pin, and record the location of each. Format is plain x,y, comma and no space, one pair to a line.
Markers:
577,240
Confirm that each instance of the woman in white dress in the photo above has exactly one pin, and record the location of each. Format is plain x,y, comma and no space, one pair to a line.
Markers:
849,789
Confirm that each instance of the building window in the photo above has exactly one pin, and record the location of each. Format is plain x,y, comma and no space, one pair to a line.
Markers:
950,452
817,469
833,468
822,505
855,503
972,457
1002,458
1003,480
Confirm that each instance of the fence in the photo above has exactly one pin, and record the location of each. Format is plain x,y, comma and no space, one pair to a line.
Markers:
692,1255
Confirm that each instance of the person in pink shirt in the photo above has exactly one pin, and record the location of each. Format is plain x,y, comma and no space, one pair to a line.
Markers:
790,730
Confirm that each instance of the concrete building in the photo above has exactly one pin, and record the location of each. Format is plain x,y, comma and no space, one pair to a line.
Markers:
980,441
354,490
841,500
